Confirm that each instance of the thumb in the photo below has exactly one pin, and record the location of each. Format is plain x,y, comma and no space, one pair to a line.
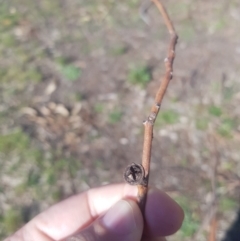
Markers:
122,222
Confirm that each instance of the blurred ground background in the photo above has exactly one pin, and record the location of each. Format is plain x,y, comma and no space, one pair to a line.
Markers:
78,77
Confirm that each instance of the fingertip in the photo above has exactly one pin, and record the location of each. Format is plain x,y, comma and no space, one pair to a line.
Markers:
163,215
123,221
136,212
123,218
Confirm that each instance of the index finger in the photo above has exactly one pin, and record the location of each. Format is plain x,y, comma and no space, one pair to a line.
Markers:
77,212
162,215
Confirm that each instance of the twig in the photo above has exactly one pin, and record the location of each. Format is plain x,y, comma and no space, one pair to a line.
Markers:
213,228
211,213
149,123
211,210
213,223
139,174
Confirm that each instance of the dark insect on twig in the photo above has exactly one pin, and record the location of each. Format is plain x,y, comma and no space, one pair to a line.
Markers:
135,174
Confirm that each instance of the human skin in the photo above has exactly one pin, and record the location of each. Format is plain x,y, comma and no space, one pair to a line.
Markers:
105,213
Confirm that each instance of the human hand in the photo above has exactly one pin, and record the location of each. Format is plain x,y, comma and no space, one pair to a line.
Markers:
104,214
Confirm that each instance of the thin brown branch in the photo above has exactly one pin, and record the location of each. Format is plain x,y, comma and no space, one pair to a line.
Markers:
149,123
139,174
213,229
215,155
211,213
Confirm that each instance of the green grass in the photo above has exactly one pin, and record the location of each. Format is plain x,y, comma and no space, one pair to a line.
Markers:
41,174
186,31
17,144
167,117
77,97
227,204
219,25
228,92
7,19
178,8
119,50
191,221
51,176
133,3
57,195
33,177
115,116
19,69
67,69
220,21
220,117
139,75
70,72
184,162
73,165
207,185
98,107
19,75
201,123
228,165
226,127
12,220
215,110
8,40
15,141
98,164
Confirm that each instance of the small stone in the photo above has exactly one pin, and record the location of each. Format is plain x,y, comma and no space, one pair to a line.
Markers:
52,106
45,111
124,141
61,110
76,109
29,111
50,88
